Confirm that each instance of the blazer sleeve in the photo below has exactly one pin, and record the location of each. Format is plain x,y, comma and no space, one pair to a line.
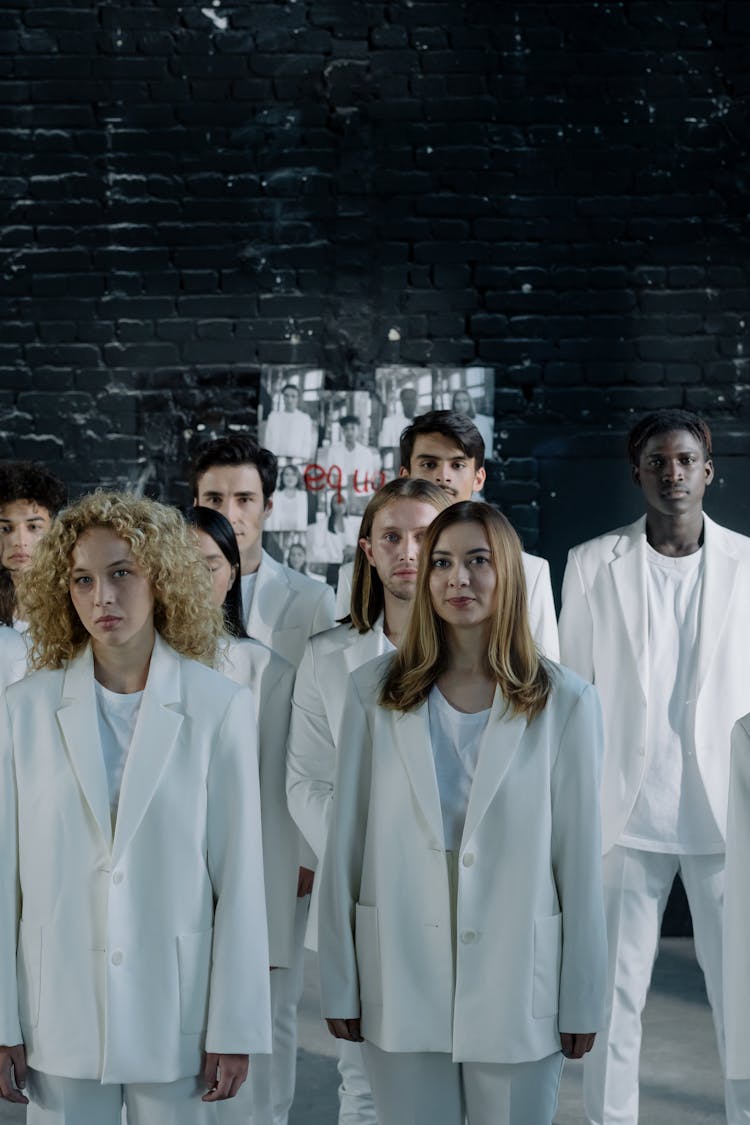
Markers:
576,863
737,910
576,623
311,757
341,872
280,837
542,616
239,1012
10,897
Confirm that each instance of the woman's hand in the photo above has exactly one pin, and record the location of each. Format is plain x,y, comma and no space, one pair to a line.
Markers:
13,1073
224,1074
345,1029
576,1045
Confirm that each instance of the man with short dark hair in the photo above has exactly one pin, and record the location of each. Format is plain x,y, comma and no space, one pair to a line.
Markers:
351,457
290,432
283,608
656,614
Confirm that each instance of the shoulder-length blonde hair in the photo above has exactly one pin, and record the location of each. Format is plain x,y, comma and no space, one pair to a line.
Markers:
522,675
161,545
367,598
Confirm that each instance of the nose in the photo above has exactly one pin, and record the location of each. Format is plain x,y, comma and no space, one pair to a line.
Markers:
459,575
409,548
102,592
674,470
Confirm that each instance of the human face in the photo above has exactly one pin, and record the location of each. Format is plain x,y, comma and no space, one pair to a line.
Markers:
463,579
350,434
438,459
393,545
221,570
673,473
297,557
462,402
291,398
22,525
110,592
237,492
409,402
289,477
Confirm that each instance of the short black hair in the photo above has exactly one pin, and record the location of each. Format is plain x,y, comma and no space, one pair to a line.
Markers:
27,480
666,422
236,449
221,531
458,427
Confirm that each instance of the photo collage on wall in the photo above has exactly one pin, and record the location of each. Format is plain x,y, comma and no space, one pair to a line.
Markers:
337,447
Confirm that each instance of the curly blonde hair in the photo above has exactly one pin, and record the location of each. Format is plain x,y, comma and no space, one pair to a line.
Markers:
163,547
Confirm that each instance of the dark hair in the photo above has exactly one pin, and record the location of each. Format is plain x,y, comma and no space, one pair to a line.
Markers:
221,531
332,512
667,422
25,480
290,387
367,597
236,449
303,569
458,427
350,419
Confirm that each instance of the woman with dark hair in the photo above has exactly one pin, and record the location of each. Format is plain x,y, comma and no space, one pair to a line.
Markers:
461,929
271,680
133,951
289,512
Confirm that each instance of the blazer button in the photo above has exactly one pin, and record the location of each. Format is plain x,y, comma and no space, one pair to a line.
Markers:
117,957
468,937
468,859
117,878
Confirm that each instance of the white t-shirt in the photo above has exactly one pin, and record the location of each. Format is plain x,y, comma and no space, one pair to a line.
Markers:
672,813
118,715
455,737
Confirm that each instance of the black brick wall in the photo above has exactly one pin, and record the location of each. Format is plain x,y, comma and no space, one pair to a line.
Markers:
557,189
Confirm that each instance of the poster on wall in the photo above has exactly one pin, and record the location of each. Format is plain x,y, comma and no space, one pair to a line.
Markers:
337,447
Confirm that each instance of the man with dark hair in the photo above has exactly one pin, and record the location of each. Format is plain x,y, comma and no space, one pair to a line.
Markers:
656,614
351,457
290,432
283,608
30,498
385,577
447,449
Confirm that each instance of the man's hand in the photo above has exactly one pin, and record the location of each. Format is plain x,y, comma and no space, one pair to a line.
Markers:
345,1029
575,1046
13,1073
304,881
224,1074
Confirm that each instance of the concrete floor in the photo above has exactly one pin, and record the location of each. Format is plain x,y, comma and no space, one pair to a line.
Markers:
680,1076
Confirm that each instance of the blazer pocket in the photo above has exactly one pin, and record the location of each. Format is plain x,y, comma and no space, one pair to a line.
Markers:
29,973
194,964
547,961
367,943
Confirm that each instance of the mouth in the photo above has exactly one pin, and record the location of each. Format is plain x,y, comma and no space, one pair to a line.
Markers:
20,558
460,603
404,574
674,493
450,491
108,621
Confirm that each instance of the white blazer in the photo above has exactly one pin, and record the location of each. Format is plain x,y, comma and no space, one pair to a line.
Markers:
531,948
736,967
271,680
13,655
541,604
135,949
287,608
316,720
604,637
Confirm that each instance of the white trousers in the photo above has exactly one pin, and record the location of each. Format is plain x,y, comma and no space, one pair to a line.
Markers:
430,1089
356,1106
636,888
79,1101
267,1096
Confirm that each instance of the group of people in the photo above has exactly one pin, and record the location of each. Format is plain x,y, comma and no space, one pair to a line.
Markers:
474,815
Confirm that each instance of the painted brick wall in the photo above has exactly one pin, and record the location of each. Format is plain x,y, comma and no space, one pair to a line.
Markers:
558,189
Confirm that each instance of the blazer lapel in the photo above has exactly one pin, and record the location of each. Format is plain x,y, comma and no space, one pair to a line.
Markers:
719,579
79,722
270,599
500,741
628,570
365,647
411,730
154,738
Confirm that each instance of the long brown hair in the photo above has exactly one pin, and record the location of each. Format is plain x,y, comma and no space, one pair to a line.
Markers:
367,598
522,675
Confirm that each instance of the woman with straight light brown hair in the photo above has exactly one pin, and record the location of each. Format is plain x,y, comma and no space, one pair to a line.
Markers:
461,922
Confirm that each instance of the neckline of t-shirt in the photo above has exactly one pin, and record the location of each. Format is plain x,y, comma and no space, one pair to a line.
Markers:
122,697
454,710
673,562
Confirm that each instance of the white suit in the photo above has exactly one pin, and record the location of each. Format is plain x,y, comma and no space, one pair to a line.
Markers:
135,949
13,655
287,608
541,604
530,958
604,637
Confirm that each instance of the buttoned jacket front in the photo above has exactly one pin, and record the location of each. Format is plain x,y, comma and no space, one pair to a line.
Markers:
531,946
138,947
604,637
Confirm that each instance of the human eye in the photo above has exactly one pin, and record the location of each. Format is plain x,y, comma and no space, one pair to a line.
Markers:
459,464
439,564
82,580
479,560
121,572
5,529
391,537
